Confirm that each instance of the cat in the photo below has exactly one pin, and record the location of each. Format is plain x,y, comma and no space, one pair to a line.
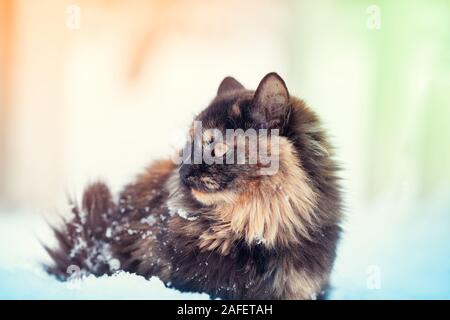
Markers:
227,230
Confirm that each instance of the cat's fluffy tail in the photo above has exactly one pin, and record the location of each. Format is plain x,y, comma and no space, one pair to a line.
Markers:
82,242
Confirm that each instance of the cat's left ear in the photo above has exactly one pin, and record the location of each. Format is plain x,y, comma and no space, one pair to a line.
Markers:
229,84
271,100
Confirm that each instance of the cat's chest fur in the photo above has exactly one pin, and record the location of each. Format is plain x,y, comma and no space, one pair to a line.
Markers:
203,249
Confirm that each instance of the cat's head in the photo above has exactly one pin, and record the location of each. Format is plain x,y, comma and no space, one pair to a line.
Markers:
234,141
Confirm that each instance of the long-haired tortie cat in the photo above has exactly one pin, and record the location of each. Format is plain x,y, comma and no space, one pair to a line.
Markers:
225,229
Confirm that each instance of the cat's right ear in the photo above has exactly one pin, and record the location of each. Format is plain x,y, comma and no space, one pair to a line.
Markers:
229,84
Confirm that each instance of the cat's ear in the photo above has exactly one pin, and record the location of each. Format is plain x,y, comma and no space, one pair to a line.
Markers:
270,101
229,84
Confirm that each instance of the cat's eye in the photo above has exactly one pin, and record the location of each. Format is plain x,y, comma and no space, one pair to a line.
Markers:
220,149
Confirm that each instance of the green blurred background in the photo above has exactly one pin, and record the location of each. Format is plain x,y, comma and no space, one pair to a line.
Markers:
380,73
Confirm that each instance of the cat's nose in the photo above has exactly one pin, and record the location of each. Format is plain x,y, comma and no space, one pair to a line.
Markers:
185,172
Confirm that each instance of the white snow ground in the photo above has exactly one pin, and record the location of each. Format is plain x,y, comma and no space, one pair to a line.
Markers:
22,277
381,256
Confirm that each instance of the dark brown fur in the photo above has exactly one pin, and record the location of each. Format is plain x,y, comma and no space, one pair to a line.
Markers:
208,248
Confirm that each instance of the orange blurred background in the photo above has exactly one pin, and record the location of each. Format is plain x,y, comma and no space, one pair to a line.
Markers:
102,96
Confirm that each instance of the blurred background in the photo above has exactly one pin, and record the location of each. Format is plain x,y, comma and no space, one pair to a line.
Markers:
99,88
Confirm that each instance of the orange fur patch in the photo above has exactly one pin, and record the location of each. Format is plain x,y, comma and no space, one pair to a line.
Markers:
210,198
235,111
290,282
276,208
273,210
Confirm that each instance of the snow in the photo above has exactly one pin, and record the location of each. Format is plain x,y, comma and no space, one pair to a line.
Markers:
150,220
182,213
22,277
381,255
395,250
